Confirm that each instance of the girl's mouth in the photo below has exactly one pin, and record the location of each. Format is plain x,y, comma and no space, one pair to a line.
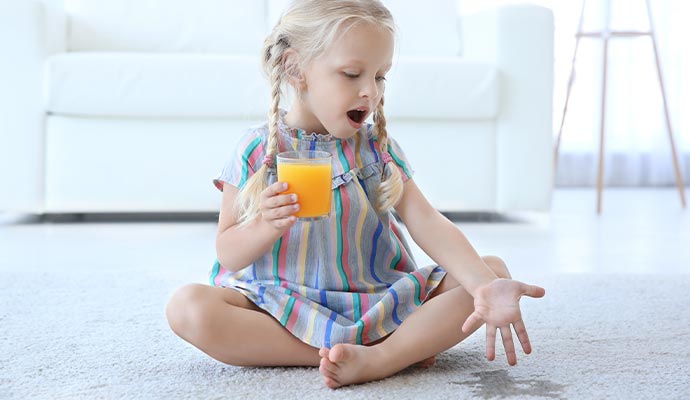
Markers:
357,116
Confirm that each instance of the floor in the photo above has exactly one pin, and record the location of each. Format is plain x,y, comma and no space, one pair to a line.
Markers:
639,231
81,309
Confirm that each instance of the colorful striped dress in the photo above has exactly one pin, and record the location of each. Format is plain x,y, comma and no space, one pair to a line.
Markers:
349,278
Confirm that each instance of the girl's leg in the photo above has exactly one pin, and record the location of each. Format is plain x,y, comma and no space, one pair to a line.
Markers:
227,326
433,328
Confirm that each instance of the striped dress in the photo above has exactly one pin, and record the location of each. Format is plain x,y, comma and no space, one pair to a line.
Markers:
349,278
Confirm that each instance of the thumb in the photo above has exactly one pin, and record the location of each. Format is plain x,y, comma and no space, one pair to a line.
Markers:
532,291
474,318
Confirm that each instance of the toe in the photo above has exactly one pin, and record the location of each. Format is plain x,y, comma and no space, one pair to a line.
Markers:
338,353
327,366
331,383
323,352
326,373
427,363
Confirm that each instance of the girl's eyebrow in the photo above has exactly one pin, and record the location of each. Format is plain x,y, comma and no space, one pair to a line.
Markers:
359,63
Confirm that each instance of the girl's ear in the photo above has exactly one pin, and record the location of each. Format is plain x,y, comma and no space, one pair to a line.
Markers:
293,72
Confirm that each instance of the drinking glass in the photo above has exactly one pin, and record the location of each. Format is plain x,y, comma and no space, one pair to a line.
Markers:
308,174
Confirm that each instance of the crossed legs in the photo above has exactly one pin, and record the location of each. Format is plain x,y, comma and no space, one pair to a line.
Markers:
228,327
426,332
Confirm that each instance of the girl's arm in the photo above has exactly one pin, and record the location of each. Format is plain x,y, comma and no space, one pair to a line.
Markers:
496,301
237,247
442,240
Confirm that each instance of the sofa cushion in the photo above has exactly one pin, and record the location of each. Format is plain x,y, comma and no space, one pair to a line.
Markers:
236,26
442,87
176,85
155,85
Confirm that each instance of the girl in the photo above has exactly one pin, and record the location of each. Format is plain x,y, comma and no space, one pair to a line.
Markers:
342,293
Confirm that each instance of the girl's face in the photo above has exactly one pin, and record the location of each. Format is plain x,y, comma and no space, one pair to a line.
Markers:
343,86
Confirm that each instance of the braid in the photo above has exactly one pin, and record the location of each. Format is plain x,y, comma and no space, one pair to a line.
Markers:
275,64
391,187
248,197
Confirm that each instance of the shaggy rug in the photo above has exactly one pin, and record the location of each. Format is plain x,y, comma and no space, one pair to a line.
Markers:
101,333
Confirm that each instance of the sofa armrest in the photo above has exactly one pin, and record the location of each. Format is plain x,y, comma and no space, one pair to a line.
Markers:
29,32
518,39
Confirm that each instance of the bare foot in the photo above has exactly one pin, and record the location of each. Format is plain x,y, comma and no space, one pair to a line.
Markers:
428,363
346,364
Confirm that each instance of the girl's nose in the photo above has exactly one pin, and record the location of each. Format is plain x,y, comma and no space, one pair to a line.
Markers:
370,89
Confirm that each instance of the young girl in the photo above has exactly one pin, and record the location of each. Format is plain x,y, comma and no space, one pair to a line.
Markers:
342,293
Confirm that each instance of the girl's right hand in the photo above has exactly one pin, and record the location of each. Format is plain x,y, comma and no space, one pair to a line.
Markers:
278,209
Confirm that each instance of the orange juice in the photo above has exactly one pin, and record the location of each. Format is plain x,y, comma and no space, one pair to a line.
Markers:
310,179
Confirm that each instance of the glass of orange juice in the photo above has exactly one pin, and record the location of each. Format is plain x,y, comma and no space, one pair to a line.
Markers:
308,174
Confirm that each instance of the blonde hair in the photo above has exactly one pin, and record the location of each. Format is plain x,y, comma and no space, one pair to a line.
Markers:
309,27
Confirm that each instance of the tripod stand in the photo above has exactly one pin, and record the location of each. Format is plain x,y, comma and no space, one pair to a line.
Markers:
606,35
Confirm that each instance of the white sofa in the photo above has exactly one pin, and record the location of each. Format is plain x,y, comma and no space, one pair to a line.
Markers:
134,105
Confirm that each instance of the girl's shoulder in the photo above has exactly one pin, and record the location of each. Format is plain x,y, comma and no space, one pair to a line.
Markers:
252,134
368,135
254,138
394,151
259,130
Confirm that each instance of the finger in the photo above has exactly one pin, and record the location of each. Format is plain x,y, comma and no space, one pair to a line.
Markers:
285,223
279,201
490,342
280,212
532,291
521,332
274,189
473,319
508,345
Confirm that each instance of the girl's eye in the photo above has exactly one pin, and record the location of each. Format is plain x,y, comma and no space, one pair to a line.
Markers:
381,78
349,75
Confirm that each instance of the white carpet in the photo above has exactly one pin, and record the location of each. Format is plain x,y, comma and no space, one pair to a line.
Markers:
101,333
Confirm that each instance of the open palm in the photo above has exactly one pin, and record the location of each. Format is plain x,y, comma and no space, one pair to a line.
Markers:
498,305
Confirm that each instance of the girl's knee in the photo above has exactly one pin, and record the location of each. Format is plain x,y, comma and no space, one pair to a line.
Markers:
498,266
187,309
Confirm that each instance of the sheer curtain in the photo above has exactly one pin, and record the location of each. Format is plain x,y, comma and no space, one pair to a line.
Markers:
637,148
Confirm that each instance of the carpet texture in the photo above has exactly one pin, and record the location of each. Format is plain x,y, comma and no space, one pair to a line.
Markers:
102,333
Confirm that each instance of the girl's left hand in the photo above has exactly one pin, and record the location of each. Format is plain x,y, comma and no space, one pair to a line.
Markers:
497,304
